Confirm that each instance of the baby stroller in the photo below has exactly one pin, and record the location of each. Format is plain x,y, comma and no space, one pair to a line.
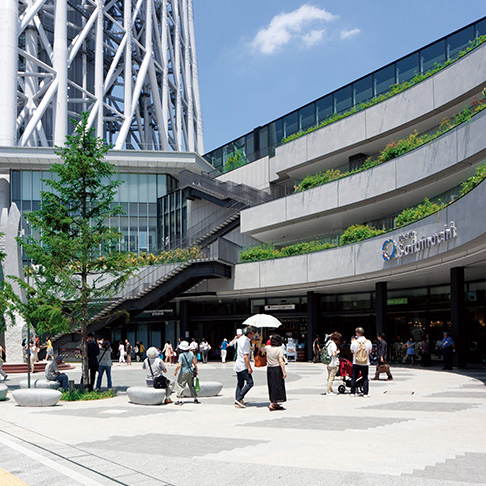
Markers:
346,372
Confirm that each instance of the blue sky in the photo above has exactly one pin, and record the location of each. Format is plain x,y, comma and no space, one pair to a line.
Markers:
259,59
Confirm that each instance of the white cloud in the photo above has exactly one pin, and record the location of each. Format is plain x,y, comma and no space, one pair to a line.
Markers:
313,37
285,27
348,34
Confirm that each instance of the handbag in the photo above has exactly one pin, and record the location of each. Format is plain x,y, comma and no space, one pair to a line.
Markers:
159,381
260,359
384,368
196,386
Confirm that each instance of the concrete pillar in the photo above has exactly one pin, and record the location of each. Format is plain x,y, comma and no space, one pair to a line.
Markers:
8,71
313,309
458,314
381,309
184,315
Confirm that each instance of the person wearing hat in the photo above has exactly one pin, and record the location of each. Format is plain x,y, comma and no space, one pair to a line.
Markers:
242,366
154,367
447,346
104,362
187,363
53,374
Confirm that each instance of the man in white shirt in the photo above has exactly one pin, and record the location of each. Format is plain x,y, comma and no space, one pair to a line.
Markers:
53,374
242,366
361,349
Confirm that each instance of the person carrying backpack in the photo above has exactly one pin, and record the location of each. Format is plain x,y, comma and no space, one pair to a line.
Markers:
361,349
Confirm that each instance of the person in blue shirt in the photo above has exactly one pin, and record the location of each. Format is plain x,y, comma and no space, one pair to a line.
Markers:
447,350
410,351
223,347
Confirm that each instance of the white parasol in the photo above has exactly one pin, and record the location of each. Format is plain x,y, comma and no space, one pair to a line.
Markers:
263,320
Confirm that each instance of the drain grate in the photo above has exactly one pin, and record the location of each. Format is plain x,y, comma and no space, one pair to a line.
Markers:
398,392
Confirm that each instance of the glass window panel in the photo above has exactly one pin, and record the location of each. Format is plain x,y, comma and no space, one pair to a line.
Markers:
161,185
263,138
133,210
432,55
481,28
459,41
275,133
343,99
152,209
142,211
324,108
250,144
151,188
133,188
15,178
36,176
383,79
407,68
291,124
143,187
307,116
363,90
123,188
239,144
26,185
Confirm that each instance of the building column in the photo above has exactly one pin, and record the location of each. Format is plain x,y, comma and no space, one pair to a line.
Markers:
313,309
381,309
184,315
458,315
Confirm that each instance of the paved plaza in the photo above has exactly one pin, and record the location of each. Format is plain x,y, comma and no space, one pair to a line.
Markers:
425,427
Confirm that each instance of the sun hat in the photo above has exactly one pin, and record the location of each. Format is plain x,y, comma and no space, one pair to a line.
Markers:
184,346
152,353
59,358
239,332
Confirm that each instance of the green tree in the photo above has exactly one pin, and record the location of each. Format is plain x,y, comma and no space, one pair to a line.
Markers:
75,261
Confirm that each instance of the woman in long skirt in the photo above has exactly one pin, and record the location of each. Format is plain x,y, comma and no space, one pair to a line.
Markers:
276,373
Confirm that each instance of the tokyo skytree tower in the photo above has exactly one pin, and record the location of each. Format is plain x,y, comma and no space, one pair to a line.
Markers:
130,63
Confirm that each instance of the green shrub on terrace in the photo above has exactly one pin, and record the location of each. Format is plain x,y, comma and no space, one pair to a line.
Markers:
395,148
319,179
235,160
394,89
358,232
269,252
258,253
473,181
424,209
304,247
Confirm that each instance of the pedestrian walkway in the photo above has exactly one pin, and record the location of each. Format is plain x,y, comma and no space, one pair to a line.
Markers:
425,427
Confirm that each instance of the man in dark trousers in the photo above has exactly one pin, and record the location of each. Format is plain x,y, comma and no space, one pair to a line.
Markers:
93,352
382,365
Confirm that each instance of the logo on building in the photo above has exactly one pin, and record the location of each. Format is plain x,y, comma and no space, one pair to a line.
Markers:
409,243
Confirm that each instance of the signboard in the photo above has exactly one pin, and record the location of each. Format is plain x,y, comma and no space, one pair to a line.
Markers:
400,301
280,307
409,243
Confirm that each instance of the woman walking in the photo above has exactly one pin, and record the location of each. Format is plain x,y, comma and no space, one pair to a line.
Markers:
104,364
333,350
168,352
188,366
128,350
276,373
121,354
155,367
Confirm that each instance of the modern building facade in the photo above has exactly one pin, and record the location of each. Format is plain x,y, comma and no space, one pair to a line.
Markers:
422,278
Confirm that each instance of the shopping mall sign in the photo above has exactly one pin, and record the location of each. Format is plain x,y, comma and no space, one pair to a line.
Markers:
409,243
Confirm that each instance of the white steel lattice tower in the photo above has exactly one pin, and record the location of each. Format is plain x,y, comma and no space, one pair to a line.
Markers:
130,63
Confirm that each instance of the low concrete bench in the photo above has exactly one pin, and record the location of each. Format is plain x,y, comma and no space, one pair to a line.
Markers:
36,397
144,395
3,392
38,383
207,389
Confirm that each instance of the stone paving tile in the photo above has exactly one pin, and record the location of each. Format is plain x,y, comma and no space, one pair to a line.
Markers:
423,406
172,445
479,386
133,411
320,422
459,394
469,468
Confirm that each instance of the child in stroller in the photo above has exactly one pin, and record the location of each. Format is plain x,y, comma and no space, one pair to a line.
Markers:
346,372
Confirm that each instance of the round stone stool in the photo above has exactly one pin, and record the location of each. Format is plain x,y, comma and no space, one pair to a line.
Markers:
3,392
207,389
36,397
144,395
38,383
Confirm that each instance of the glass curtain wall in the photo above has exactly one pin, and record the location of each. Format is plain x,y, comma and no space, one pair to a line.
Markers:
137,195
263,140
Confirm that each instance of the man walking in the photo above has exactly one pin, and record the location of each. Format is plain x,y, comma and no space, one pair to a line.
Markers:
382,365
242,366
361,349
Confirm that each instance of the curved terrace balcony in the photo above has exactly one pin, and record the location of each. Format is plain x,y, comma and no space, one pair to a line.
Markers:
399,183
359,265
